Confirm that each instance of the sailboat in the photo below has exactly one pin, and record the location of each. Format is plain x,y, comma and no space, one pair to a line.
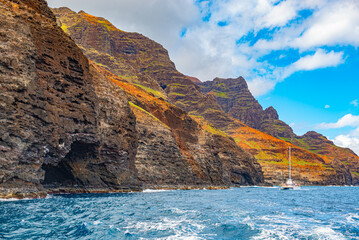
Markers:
289,185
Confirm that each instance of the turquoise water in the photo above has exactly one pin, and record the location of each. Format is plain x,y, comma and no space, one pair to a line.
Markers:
238,213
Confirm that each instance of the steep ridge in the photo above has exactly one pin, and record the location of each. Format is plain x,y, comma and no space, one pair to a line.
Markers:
235,99
138,59
117,51
182,92
62,128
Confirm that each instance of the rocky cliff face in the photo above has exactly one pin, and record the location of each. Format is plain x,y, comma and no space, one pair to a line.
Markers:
175,150
63,128
214,110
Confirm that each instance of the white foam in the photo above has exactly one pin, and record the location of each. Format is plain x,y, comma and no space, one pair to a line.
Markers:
155,190
15,199
180,211
327,233
353,218
259,186
97,222
248,221
48,196
182,227
277,227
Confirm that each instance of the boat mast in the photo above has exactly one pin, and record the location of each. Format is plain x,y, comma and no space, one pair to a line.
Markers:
289,172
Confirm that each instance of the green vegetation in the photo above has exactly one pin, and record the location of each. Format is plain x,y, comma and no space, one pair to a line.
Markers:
304,163
101,65
106,24
207,126
214,130
284,139
221,85
143,110
303,143
134,105
328,168
177,85
150,90
156,63
251,144
177,94
219,94
64,27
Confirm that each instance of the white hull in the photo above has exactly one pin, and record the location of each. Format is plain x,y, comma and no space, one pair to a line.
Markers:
289,188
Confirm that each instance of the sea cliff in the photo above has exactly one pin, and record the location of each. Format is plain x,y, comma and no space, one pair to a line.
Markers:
68,125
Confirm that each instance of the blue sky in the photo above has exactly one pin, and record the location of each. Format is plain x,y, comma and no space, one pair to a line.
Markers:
299,56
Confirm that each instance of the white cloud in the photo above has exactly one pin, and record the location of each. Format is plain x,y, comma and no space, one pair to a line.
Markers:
335,23
327,106
280,14
354,102
260,86
348,120
348,141
320,59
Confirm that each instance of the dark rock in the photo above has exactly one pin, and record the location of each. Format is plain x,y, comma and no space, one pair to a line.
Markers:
61,128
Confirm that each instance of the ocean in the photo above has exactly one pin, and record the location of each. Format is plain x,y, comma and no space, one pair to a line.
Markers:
236,213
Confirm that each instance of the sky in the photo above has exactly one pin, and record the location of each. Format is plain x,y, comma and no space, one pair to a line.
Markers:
299,56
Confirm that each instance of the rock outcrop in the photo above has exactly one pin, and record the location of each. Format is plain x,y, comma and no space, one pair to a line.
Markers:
235,99
62,127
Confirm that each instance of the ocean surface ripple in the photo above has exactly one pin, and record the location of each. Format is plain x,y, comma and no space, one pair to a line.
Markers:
236,213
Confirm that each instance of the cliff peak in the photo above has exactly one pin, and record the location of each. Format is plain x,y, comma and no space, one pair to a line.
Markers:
65,10
240,81
194,79
271,113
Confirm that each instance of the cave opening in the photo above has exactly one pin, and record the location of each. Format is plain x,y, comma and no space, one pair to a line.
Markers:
67,173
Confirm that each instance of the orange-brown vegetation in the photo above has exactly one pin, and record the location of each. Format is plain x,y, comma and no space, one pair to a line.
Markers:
273,155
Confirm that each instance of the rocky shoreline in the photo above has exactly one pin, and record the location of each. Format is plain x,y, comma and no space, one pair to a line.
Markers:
20,194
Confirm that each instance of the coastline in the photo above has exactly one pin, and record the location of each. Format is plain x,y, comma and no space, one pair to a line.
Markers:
18,194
